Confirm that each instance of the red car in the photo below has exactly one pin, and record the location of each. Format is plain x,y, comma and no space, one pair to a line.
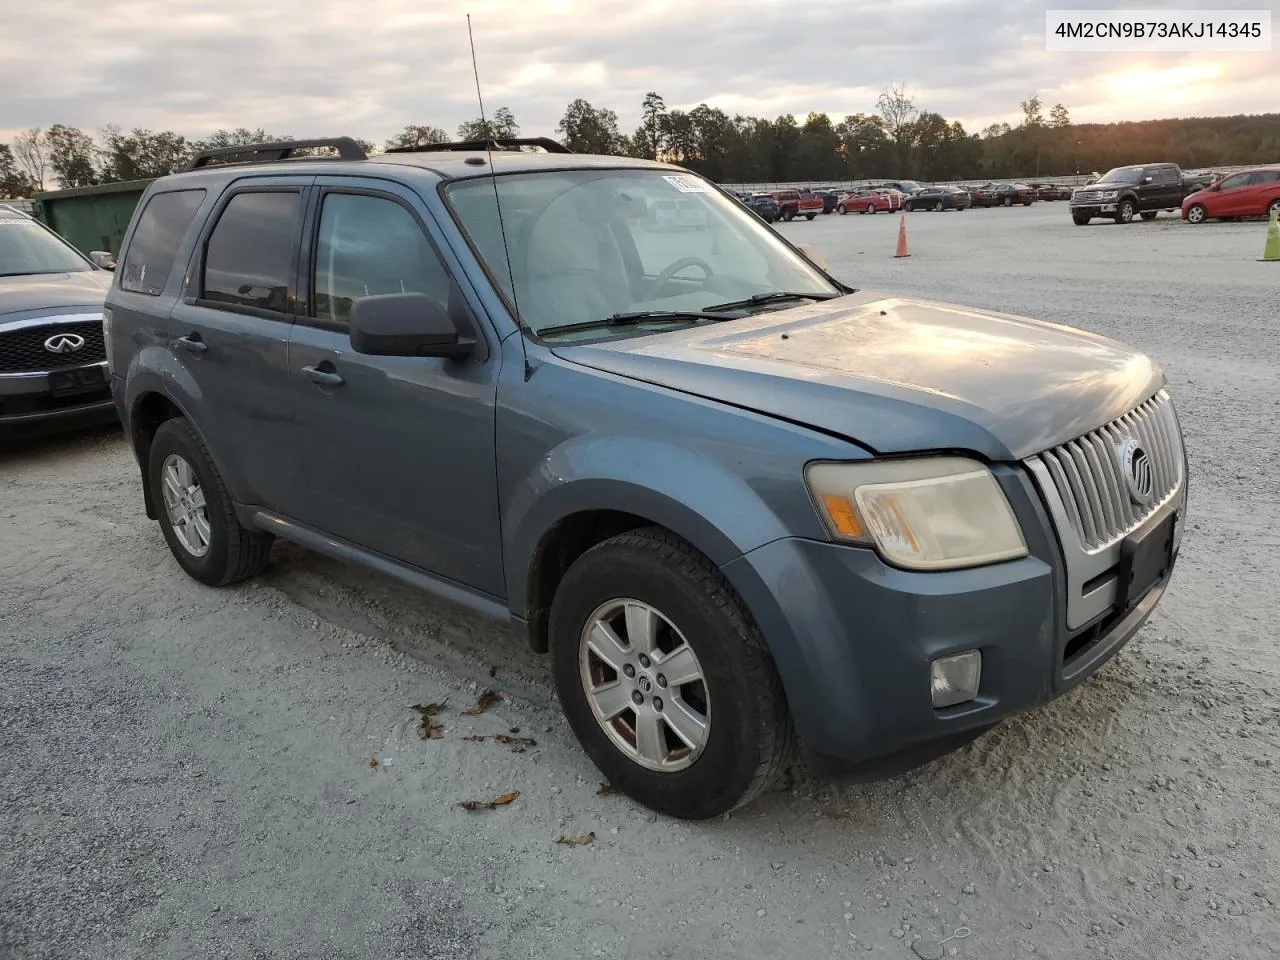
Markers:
871,201
1251,193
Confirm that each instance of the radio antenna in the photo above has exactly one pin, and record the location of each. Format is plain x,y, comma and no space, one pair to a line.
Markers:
497,202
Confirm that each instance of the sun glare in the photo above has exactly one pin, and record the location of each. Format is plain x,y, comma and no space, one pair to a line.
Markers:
1172,83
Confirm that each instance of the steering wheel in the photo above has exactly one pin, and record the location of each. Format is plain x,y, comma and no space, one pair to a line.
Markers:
682,264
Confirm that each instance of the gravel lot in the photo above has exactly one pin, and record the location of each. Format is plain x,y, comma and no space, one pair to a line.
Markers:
187,772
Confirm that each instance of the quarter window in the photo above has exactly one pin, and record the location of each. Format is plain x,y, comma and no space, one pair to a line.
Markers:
250,252
161,227
370,245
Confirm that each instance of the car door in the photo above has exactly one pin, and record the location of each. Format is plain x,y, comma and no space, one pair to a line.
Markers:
1169,181
1264,191
1232,196
231,334
399,451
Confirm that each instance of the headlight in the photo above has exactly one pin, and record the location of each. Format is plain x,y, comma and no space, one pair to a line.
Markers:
1109,194
936,513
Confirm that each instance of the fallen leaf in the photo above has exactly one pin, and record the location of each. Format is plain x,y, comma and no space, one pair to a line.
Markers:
493,671
483,703
429,729
606,789
581,841
373,763
499,801
517,744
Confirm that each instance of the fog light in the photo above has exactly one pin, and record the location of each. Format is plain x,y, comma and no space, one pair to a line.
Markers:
955,679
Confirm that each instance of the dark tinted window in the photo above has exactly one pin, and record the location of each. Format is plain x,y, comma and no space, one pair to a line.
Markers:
161,227
370,245
28,248
1234,181
1266,176
250,252
1163,174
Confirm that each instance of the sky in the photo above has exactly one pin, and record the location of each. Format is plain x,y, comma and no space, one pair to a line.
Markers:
366,68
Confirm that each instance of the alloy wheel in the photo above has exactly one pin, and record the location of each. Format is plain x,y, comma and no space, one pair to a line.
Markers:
645,685
184,503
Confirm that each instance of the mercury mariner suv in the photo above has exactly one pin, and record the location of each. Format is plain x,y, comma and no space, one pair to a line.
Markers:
749,510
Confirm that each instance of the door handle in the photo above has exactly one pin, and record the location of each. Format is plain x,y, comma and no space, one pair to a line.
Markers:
192,343
330,378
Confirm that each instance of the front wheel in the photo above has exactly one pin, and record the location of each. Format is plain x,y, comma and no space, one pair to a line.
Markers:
197,515
665,679
810,216
840,209
871,208
1273,211
1008,201
1196,213
1126,211
1080,219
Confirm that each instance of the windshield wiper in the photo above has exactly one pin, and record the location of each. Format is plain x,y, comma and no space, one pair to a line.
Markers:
630,319
778,295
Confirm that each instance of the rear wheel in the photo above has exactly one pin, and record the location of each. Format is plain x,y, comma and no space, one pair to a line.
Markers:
1149,214
1196,213
197,516
788,215
1274,210
871,208
665,679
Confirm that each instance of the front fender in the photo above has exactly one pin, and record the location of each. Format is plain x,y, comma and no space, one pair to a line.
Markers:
719,511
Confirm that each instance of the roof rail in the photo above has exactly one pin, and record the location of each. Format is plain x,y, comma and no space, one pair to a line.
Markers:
497,143
348,149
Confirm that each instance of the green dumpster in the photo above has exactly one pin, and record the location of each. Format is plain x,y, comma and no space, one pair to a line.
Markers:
91,218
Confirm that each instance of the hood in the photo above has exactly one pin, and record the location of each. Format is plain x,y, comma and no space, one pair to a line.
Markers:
897,375
50,293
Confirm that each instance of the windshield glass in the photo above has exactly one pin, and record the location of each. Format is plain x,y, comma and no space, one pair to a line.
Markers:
27,248
587,244
1122,175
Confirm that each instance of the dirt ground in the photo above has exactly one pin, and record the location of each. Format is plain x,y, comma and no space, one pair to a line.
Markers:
191,773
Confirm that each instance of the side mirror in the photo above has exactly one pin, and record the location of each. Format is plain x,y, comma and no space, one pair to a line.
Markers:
102,259
406,325
1148,179
813,255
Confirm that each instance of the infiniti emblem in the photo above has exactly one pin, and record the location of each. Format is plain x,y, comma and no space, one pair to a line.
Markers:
1136,467
64,343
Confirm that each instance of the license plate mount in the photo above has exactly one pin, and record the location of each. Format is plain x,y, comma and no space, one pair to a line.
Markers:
1144,559
63,382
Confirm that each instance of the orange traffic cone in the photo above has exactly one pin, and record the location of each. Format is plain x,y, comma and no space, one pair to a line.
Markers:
902,238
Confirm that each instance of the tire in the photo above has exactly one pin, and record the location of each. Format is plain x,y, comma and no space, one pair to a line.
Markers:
871,208
810,216
231,552
1080,220
749,738
840,209
937,207
1008,201
1125,212
1149,214
788,215
1196,213
1273,210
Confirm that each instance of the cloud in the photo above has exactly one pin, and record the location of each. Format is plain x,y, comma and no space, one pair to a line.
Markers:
320,67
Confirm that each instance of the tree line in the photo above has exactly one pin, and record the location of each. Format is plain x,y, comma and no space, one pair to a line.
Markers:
897,140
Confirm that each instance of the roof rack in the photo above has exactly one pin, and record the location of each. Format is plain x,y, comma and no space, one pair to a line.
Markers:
348,149
497,143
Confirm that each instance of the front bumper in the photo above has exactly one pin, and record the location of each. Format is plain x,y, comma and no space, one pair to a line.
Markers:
65,399
853,639
1095,209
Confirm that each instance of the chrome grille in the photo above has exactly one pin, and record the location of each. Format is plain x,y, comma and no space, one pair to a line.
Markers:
1090,479
1087,196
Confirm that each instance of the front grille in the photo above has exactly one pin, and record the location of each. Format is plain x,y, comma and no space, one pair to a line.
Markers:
1089,479
1087,196
23,351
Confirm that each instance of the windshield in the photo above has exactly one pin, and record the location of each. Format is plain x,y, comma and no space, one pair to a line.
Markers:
587,244
1122,175
27,248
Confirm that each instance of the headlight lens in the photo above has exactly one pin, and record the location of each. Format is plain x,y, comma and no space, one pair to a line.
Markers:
937,513
1109,194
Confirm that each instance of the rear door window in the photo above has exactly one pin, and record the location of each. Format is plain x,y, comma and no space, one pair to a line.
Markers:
249,256
154,245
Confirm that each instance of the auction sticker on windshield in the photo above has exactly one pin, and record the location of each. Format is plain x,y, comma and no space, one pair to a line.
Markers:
687,184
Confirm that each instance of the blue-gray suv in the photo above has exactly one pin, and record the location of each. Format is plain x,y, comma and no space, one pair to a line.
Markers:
748,509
